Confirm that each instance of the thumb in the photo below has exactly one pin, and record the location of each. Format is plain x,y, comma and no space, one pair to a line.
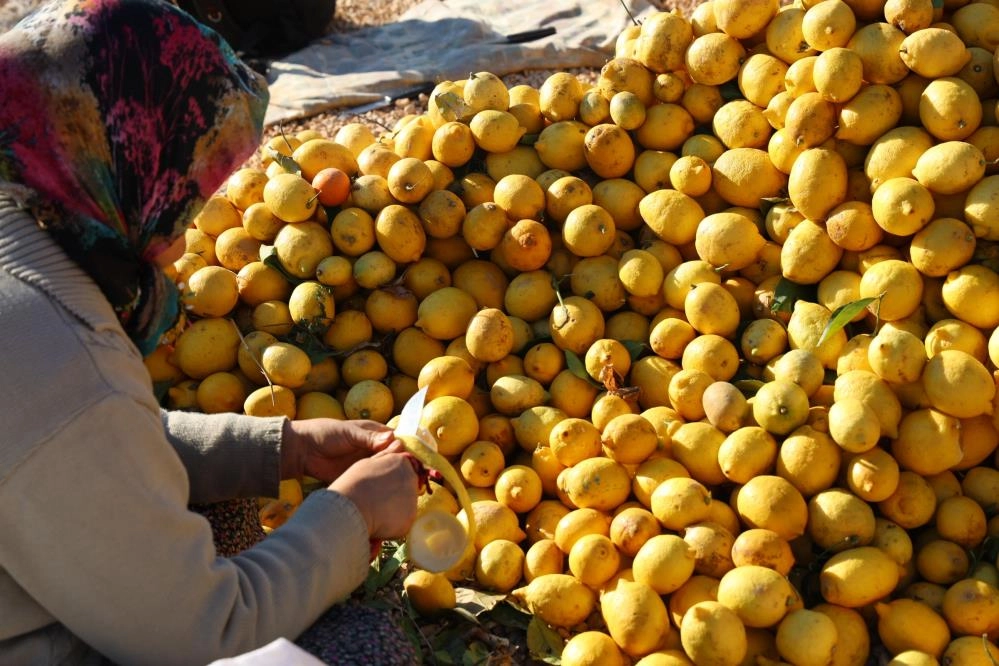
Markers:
381,440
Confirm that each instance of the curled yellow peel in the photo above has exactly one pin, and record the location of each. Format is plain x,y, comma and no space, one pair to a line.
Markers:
433,460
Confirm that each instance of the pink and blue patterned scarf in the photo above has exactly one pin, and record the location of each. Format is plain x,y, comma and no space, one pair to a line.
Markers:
123,117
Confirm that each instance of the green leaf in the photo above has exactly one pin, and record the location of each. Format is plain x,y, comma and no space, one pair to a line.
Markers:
477,653
508,615
544,643
452,107
476,602
786,293
275,263
288,164
576,365
635,348
383,570
748,387
842,316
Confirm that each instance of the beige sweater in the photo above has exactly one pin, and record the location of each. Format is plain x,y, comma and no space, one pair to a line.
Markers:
99,554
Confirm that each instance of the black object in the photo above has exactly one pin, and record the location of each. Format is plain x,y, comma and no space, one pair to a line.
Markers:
264,28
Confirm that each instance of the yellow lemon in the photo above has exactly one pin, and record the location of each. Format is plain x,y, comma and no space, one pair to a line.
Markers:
710,632
499,565
290,197
558,599
590,648
429,593
758,595
221,392
858,576
807,637
906,624
636,618
270,401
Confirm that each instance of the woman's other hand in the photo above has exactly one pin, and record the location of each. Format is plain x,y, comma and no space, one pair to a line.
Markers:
384,489
325,448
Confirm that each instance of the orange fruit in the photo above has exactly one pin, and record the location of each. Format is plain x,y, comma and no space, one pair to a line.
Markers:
333,185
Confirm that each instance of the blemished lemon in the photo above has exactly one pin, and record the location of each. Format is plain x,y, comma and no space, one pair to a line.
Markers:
599,483
764,548
245,187
573,440
481,463
838,519
678,501
631,527
662,40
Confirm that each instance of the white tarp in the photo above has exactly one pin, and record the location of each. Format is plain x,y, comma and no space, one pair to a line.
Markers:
440,40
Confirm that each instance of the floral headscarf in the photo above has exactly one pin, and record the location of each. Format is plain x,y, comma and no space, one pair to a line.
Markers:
123,117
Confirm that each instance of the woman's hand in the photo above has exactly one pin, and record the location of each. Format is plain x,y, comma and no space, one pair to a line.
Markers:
325,448
384,489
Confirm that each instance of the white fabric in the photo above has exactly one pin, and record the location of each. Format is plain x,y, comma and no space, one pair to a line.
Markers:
280,652
440,40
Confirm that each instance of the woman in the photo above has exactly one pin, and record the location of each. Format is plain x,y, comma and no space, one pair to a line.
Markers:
119,119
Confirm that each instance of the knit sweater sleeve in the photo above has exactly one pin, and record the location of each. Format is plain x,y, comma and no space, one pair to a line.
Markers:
101,539
226,455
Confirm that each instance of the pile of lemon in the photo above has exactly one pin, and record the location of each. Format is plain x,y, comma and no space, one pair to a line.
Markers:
712,342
